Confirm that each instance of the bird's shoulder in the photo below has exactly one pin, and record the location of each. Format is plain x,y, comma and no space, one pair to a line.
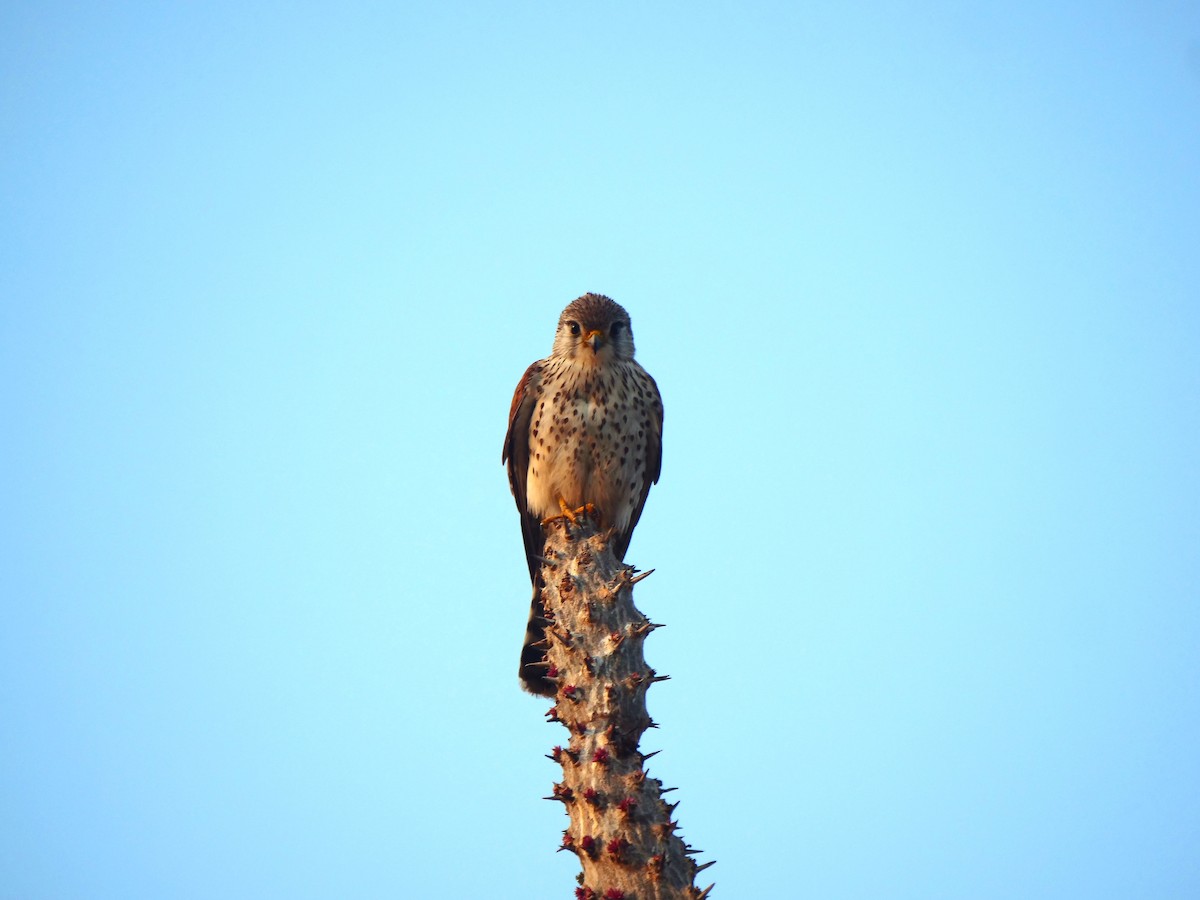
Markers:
523,398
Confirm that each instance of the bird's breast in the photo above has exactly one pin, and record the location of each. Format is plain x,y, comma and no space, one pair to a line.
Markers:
586,442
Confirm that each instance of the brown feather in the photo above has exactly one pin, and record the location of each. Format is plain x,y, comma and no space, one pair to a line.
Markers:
653,469
516,456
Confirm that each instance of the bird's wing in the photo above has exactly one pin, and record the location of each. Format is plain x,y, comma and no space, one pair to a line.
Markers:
516,455
653,461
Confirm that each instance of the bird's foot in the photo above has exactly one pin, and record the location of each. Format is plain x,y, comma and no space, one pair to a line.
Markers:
571,515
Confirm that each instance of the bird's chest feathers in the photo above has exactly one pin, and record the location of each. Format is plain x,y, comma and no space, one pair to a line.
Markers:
581,409
589,403
586,441
573,427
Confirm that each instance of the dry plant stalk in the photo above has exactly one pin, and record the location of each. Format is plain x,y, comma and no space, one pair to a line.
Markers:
621,828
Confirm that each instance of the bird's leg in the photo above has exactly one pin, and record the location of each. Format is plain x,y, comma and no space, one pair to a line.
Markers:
571,515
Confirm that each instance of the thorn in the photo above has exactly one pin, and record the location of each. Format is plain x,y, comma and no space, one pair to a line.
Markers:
542,663
646,756
671,807
660,678
558,753
645,628
666,790
636,578
700,869
708,890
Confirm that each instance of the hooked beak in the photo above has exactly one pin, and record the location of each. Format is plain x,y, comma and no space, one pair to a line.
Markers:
594,339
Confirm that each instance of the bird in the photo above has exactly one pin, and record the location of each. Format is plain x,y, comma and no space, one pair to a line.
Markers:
584,438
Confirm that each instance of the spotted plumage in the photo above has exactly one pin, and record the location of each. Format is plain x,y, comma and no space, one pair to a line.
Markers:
585,426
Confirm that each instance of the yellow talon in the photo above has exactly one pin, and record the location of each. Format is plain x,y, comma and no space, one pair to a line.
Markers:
569,514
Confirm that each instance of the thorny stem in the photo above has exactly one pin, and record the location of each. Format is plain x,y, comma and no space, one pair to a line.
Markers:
620,828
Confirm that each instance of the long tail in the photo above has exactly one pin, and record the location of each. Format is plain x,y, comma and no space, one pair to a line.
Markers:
533,659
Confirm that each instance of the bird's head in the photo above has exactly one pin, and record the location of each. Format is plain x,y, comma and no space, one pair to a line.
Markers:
593,330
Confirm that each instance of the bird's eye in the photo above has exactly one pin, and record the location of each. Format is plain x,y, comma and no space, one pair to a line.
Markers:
574,326
616,328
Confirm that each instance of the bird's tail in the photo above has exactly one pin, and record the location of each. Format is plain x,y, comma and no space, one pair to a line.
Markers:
533,657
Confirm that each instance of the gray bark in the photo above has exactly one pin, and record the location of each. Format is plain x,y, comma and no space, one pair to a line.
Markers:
621,828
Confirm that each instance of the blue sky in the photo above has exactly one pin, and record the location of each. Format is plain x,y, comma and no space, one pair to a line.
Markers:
919,284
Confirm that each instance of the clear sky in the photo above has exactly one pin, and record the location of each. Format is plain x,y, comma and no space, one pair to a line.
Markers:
920,284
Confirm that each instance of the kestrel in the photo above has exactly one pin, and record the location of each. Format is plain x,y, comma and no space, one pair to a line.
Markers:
584,434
